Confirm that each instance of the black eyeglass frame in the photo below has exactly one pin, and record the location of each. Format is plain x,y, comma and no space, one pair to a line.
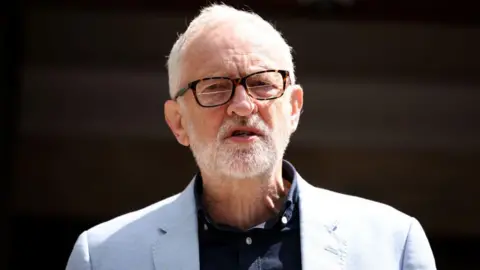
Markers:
235,82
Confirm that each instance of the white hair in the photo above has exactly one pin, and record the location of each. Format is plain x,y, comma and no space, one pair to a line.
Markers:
213,15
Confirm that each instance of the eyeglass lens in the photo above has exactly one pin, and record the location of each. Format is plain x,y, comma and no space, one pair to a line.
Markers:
267,85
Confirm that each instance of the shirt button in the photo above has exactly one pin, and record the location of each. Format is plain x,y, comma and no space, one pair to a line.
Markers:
284,220
205,227
248,241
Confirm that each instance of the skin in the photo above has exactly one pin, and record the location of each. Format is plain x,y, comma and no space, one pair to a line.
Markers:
228,51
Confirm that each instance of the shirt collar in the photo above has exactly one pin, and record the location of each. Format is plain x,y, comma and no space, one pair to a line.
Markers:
289,174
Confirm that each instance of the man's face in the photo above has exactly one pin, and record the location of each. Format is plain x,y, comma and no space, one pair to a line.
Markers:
212,132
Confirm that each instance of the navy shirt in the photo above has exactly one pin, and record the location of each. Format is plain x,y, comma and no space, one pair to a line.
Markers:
272,245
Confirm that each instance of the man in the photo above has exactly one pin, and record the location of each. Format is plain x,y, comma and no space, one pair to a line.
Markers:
235,103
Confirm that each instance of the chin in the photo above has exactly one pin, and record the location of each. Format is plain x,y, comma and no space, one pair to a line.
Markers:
246,163
237,161
243,172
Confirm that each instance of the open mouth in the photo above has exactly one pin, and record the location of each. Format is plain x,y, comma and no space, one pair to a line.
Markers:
244,133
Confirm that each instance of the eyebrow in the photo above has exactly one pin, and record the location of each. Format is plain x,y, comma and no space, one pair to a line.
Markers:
242,73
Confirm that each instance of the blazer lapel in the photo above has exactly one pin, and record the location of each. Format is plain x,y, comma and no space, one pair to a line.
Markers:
177,245
323,246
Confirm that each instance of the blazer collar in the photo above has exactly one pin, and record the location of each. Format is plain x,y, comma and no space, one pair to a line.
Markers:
323,245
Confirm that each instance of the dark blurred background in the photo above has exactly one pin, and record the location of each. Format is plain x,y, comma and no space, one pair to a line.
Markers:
391,114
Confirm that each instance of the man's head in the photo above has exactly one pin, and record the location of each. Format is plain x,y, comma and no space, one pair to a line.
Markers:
235,128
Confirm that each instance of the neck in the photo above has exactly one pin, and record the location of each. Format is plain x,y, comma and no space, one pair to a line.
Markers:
243,203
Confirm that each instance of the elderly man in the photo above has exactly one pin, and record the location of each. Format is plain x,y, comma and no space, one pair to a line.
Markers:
235,103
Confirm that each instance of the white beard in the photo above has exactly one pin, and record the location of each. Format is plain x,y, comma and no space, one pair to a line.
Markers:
240,161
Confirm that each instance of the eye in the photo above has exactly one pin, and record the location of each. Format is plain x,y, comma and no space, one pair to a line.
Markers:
214,86
257,83
265,80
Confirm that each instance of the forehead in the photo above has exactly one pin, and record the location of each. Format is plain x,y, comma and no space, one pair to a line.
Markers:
231,50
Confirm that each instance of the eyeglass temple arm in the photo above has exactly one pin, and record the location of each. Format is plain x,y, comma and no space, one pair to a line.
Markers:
181,92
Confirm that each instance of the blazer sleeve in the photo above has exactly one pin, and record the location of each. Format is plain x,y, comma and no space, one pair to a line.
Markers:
80,256
417,253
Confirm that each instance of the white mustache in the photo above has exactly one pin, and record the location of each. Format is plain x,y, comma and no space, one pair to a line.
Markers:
252,122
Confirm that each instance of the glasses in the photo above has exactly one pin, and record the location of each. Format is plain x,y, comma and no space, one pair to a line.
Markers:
217,91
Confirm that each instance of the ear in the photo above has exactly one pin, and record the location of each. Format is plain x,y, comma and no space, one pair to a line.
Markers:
174,118
296,103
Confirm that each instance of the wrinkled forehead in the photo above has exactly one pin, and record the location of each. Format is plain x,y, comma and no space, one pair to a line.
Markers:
232,50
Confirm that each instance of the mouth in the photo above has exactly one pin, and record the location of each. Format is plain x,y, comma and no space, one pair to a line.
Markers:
244,133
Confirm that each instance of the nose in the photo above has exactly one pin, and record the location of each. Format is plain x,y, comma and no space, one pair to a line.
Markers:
241,103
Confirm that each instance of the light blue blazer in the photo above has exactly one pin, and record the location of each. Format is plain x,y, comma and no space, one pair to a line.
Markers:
337,232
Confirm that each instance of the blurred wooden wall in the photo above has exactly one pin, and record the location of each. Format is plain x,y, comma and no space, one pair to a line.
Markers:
391,114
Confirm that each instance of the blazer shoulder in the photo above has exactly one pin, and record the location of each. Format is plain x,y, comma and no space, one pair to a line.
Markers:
360,209
372,230
384,229
145,218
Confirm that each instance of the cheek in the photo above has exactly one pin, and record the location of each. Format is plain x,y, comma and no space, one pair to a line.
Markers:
206,123
276,115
